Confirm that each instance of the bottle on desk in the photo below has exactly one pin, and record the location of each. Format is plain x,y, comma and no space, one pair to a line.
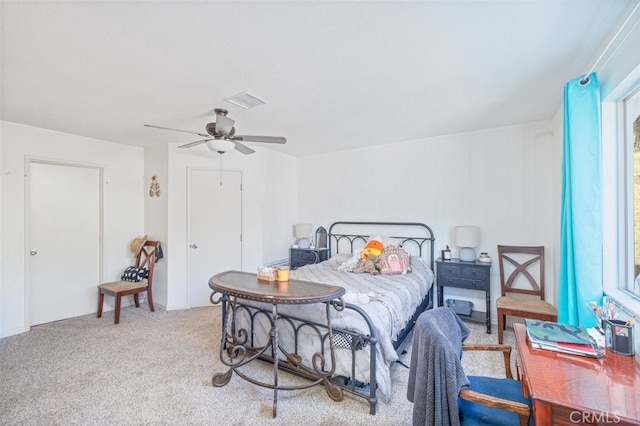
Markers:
446,254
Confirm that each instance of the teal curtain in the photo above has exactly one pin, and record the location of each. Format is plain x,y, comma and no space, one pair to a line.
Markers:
580,275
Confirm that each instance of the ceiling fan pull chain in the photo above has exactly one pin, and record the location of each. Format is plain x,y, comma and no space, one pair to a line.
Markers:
220,156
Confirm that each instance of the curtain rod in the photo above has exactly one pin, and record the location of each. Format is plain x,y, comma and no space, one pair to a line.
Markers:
585,79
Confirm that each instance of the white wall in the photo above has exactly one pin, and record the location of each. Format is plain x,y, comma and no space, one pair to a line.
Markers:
156,224
504,180
123,206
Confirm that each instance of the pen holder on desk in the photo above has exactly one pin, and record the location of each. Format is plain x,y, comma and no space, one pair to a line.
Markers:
618,336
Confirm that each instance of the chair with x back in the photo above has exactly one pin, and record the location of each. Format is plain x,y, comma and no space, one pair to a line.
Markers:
522,273
134,280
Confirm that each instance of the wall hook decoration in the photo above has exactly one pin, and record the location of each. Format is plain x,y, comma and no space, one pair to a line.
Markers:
154,189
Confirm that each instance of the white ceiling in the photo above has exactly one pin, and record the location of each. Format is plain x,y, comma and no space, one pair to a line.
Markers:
336,75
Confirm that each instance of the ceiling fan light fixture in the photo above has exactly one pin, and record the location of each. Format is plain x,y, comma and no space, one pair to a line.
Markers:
221,145
245,100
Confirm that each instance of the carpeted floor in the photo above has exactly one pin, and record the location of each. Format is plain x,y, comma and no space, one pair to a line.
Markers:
156,368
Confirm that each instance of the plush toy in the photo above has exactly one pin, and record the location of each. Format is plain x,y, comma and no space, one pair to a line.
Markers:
368,265
373,247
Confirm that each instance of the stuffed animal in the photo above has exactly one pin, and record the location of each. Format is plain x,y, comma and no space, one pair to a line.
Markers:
373,247
368,265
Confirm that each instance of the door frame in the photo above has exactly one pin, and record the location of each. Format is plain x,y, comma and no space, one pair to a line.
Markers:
188,221
29,160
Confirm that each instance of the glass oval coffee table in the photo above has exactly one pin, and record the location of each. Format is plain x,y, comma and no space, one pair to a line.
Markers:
235,348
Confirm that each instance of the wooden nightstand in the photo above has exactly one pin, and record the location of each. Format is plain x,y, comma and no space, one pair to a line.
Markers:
470,275
299,257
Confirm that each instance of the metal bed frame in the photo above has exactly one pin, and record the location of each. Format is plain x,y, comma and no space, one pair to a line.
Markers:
338,242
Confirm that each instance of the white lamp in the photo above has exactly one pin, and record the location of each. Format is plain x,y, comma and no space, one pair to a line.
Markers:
467,237
303,233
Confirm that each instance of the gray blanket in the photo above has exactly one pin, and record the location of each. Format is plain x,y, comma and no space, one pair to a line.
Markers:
436,375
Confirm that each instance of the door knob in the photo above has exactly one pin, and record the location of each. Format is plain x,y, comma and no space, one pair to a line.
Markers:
33,252
194,246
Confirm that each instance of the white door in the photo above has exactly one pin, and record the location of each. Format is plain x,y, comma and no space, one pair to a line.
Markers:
63,240
215,229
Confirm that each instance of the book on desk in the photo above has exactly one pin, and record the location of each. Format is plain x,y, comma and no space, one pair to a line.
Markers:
565,338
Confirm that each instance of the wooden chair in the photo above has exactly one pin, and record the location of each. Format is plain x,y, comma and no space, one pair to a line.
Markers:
145,258
440,390
525,264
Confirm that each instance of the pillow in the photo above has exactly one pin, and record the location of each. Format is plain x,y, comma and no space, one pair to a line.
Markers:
394,261
350,264
134,274
341,257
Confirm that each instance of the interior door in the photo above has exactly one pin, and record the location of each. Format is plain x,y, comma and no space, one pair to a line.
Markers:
64,240
215,229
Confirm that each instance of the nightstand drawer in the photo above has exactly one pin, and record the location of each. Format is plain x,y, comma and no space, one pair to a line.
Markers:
304,256
462,271
474,272
300,257
449,270
464,283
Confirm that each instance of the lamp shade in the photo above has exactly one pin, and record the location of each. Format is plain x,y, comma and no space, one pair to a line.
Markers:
467,237
303,230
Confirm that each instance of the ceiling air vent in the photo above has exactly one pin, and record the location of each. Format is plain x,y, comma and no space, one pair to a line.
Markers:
245,100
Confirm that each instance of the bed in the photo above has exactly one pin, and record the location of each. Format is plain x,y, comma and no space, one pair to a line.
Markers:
370,323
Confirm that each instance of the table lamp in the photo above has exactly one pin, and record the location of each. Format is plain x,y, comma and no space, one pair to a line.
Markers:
467,238
303,232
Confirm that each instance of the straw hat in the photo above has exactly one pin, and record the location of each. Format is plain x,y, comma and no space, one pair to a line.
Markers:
137,243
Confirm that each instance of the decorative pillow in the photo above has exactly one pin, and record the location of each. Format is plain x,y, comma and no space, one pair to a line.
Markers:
394,261
134,274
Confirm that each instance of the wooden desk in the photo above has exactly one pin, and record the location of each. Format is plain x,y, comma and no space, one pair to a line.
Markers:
576,390
236,351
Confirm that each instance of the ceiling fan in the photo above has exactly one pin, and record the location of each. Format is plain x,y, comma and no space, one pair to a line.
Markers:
221,135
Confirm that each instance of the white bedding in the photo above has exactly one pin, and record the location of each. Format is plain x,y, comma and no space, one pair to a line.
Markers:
389,300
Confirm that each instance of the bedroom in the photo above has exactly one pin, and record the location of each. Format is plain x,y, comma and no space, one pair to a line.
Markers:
504,177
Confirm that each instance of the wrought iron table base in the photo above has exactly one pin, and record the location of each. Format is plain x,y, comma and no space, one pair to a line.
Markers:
239,354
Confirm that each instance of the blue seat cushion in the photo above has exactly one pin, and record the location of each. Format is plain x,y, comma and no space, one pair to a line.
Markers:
472,414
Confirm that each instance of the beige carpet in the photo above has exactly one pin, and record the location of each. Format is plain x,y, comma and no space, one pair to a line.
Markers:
156,368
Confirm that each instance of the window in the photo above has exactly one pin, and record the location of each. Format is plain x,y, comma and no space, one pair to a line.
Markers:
621,193
620,91
632,141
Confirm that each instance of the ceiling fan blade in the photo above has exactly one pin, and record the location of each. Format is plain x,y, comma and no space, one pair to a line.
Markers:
196,143
243,148
224,124
177,130
267,139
